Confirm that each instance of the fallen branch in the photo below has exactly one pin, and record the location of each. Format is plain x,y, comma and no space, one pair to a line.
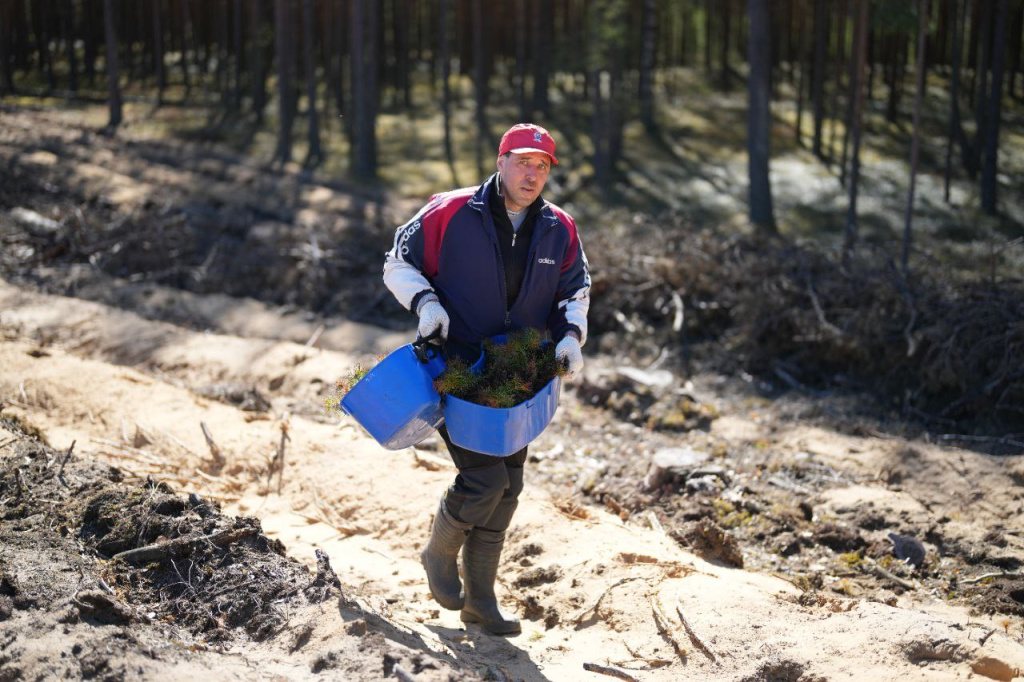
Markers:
986,576
888,575
609,671
666,629
697,641
182,546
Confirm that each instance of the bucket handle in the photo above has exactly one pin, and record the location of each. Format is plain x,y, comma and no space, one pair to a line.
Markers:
425,350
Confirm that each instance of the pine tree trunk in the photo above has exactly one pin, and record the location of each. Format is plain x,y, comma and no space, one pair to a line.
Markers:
222,15
759,115
725,74
6,58
598,132
521,37
801,88
648,44
238,48
315,154
915,144
186,32
158,51
956,131
89,65
113,66
446,96
285,79
256,66
857,92
480,82
43,37
989,174
403,38
842,16
542,57
708,36
363,27
981,94
821,24
69,43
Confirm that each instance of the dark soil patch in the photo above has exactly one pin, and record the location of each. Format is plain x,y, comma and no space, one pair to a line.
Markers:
138,578
87,517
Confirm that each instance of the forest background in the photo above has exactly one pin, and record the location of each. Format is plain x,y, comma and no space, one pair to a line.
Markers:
825,193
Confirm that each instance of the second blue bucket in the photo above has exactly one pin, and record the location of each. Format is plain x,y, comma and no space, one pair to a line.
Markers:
396,401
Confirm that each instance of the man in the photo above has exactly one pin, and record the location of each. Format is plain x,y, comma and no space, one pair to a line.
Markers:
475,263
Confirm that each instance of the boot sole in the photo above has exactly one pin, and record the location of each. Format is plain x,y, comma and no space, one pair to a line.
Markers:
509,629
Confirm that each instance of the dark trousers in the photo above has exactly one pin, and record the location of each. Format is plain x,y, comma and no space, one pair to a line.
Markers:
486,490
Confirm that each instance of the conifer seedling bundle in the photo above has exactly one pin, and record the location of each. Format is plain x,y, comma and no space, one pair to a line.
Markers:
514,371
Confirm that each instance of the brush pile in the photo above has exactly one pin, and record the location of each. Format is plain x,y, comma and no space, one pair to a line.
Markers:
934,345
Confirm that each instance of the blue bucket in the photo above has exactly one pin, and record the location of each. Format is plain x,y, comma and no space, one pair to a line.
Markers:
396,401
500,432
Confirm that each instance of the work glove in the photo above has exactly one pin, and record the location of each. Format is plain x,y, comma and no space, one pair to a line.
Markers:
433,321
569,354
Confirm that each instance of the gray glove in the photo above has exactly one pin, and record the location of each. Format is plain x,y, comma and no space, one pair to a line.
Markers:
433,320
569,353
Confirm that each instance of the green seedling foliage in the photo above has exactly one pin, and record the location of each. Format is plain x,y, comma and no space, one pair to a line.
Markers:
513,372
457,380
345,383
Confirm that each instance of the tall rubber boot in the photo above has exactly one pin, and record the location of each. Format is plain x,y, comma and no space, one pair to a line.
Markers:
447,535
480,557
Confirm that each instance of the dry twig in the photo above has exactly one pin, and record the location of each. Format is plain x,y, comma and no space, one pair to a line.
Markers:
218,456
64,463
609,671
182,546
888,575
666,629
280,451
986,576
697,641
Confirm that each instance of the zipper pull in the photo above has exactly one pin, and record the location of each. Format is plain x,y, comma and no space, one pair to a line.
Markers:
508,319
514,239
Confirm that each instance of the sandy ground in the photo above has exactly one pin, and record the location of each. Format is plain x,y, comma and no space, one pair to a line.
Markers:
107,379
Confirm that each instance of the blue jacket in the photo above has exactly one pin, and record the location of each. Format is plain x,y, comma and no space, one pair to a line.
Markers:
450,248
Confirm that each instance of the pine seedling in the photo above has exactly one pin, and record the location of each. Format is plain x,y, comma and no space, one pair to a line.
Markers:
512,373
458,380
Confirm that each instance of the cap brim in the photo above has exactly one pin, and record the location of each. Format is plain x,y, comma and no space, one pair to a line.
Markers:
531,150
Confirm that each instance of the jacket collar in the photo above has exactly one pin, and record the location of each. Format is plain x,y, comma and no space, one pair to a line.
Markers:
491,187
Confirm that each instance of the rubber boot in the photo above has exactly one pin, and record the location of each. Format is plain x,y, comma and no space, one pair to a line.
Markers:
480,557
447,536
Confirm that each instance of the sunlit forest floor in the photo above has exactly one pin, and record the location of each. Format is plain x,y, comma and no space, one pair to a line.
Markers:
172,276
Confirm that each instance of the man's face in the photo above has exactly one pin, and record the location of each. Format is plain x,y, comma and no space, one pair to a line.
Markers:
523,177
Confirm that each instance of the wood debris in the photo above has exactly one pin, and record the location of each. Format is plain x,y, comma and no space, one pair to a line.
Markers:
694,638
666,628
609,671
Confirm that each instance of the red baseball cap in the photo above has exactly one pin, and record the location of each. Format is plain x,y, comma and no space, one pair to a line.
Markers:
524,138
